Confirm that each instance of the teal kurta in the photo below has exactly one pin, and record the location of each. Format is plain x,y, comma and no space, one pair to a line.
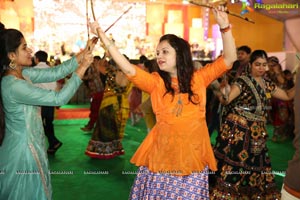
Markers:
24,168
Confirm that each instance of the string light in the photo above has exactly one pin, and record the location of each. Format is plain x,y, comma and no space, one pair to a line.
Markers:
206,22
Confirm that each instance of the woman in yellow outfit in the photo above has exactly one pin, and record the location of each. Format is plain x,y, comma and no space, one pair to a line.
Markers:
106,140
175,156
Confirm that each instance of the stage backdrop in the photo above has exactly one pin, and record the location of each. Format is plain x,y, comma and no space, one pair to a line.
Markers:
66,21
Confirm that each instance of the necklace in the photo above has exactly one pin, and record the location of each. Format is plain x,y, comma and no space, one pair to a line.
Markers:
261,82
179,106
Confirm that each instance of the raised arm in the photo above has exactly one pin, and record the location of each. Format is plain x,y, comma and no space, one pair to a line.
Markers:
27,93
51,74
79,64
120,60
229,49
88,48
225,99
284,95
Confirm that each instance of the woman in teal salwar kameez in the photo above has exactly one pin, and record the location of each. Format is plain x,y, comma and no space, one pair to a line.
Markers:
24,168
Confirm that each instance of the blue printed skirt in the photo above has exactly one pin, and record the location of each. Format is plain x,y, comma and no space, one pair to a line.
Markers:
161,186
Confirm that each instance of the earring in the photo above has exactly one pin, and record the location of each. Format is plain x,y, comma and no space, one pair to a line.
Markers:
12,65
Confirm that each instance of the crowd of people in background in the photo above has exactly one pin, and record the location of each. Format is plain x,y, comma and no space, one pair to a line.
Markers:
247,91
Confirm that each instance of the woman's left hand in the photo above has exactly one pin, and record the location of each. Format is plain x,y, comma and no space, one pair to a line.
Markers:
221,16
94,26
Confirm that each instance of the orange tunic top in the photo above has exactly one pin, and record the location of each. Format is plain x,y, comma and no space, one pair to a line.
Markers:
177,144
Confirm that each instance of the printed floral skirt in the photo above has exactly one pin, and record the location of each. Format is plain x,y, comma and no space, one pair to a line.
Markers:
162,186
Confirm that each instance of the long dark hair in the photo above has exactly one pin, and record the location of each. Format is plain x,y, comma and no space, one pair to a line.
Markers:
10,40
151,65
184,65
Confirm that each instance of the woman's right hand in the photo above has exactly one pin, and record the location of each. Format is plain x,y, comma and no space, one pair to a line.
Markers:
96,30
94,26
86,61
116,55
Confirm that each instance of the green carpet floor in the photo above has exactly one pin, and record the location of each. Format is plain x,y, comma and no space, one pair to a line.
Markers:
75,176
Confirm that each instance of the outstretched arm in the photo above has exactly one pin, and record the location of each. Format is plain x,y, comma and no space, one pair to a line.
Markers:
85,57
284,95
229,49
79,64
120,60
226,99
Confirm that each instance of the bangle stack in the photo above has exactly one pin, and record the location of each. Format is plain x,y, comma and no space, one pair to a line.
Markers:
224,30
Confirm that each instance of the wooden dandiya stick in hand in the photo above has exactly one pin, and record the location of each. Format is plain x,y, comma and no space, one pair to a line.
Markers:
227,11
126,11
94,17
87,17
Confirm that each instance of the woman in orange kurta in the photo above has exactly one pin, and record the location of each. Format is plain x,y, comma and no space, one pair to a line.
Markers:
175,156
179,142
